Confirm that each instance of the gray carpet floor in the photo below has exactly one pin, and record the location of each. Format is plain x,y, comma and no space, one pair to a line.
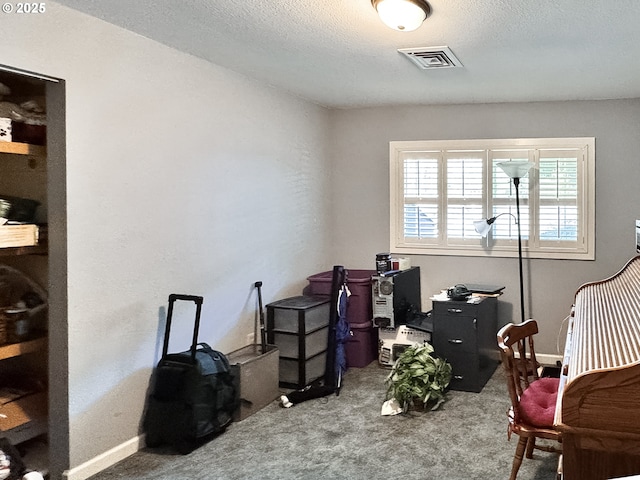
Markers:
345,437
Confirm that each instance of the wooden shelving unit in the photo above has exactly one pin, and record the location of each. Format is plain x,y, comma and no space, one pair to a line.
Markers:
24,168
25,418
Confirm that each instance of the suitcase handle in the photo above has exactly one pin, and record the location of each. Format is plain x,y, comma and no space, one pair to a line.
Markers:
189,298
172,300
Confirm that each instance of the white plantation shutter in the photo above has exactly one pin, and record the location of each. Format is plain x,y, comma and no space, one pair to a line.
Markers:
439,188
558,217
465,192
421,197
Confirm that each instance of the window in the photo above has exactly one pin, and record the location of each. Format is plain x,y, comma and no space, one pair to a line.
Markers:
439,188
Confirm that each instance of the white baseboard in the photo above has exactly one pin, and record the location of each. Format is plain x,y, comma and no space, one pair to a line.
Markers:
547,359
104,460
543,358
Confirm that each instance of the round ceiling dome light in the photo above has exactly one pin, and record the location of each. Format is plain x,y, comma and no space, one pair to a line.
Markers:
402,15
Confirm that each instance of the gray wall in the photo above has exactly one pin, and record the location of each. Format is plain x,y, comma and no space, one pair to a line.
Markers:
360,152
181,177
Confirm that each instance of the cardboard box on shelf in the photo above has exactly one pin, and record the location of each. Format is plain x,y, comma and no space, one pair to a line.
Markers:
25,235
24,418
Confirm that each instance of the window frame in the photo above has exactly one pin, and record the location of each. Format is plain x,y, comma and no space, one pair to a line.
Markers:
532,148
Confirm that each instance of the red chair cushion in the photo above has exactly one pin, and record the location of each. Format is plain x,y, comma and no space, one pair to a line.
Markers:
538,402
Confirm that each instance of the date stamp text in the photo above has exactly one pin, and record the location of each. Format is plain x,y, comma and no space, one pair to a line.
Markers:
24,8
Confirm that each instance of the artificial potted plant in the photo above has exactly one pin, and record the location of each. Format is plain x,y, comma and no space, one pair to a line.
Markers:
418,378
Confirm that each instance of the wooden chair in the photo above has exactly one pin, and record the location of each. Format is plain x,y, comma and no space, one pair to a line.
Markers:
533,399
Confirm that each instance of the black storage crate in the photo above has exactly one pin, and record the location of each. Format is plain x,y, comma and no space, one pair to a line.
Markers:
299,327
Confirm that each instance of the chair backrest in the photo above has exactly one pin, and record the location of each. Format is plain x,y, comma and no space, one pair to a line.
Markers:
521,369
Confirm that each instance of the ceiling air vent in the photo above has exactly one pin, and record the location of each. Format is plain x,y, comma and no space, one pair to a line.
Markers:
431,57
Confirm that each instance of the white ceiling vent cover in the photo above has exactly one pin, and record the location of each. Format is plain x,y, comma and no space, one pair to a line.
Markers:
431,57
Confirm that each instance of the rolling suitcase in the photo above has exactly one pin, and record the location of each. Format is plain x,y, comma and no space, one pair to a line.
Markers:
193,395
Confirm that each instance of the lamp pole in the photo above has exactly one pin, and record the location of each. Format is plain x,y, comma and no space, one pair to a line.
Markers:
516,182
484,226
516,170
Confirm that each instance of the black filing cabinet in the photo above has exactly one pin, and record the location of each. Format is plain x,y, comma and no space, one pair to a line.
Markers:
464,334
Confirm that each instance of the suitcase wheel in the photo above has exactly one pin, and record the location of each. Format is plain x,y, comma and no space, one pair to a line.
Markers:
152,441
185,445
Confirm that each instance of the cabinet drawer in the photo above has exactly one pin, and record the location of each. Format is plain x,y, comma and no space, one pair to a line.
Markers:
459,334
465,373
455,309
290,345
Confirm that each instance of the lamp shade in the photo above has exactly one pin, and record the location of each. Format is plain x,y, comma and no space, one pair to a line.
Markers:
402,15
516,168
483,226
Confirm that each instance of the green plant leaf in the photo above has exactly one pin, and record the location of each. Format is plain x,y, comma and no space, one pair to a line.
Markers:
418,376
437,404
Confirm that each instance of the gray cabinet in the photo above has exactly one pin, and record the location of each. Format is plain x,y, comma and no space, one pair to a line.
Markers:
464,334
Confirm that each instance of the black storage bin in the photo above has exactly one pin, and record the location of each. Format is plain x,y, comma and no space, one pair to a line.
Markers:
299,327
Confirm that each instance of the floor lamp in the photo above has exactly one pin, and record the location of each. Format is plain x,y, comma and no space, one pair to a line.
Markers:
516,170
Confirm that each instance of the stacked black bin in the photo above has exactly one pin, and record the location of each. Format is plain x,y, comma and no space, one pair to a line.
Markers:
299,327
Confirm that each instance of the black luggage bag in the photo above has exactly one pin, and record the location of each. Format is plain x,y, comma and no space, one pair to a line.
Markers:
193,395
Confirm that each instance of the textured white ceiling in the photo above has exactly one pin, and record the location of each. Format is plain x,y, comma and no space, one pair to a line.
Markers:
338,53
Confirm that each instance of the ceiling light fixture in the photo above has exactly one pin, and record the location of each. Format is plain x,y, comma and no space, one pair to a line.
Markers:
402,15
